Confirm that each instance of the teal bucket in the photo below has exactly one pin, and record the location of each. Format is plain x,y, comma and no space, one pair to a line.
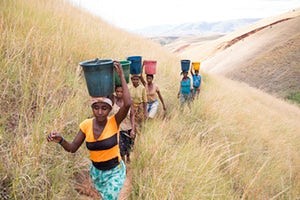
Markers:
136,64
99,76
185,65
126,69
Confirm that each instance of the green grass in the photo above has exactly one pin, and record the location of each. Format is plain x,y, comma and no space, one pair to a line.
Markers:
294,97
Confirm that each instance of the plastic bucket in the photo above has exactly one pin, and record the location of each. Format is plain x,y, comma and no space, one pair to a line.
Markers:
99,76
196,65
150,66
185,65
136,64
126,69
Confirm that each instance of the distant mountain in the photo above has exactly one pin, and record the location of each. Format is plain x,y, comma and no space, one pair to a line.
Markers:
200,28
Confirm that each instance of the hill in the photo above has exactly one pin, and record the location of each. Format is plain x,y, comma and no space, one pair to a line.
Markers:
196,28
268,55
236,142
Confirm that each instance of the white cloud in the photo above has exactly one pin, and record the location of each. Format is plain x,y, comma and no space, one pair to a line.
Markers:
132,14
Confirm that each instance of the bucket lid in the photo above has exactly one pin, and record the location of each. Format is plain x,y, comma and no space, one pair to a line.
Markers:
150,61
95,62
134,58
125,62
188,61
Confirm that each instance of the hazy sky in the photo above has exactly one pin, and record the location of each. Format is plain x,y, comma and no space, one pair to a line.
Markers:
134,14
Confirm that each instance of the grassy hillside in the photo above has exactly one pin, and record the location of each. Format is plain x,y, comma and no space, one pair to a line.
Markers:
43,89
236,142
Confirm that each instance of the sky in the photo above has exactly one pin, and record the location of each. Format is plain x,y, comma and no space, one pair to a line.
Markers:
136,14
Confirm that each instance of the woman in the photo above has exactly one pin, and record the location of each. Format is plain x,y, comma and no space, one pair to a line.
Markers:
107,170
127,133
185,93
196,83
153,93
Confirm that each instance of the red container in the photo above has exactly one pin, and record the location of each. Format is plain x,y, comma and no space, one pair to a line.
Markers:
150,66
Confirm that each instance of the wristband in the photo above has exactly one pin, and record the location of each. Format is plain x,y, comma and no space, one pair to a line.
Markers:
61,141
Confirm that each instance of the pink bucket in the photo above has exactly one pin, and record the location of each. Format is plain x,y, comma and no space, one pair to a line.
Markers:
150,66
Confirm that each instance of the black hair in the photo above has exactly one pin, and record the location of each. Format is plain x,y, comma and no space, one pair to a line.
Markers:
150,75
117,86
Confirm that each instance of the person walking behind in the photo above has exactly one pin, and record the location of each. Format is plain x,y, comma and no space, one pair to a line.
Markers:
196,83
127,133
107,170
139,102
185,90
153,93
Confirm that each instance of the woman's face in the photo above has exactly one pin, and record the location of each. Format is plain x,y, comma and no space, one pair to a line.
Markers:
185,74
119,92
101,111
135,81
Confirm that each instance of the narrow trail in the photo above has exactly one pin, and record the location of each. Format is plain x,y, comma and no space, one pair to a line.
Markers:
125,192
84,186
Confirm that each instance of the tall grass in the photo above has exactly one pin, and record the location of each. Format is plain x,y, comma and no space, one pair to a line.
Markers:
42,87
234,143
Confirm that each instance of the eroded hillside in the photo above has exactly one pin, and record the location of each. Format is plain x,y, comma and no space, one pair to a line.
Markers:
265,55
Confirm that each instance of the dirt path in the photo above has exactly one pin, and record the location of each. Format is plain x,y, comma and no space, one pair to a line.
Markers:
125,192
84,186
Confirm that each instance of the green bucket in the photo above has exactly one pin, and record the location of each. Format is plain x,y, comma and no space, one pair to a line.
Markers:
126,69
99,76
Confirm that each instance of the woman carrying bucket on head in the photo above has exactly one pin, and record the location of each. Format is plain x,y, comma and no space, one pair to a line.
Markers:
152,90
185,90
196,79
107,169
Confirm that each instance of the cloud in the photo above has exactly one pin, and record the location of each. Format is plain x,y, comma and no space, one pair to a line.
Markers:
132,14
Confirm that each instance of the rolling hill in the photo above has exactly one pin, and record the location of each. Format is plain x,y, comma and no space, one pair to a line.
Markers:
268,58
236,142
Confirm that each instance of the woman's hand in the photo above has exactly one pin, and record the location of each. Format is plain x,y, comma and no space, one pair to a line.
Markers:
118,68
132,134
54,137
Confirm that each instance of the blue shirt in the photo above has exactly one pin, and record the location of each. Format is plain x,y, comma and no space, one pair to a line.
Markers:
196,80
185,86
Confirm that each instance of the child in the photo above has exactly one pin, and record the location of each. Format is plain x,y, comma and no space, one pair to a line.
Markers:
185,90
126,127
196,83
153,93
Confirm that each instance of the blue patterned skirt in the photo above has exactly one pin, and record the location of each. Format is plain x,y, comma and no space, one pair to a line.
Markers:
109,182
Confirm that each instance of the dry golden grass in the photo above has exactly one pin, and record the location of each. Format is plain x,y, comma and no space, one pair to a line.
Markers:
236,142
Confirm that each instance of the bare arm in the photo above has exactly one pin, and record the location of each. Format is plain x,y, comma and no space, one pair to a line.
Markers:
179,90
142,77
68,146
161,99
192,71
123,111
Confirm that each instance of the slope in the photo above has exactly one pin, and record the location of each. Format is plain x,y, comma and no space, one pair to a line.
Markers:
267,58
235,141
